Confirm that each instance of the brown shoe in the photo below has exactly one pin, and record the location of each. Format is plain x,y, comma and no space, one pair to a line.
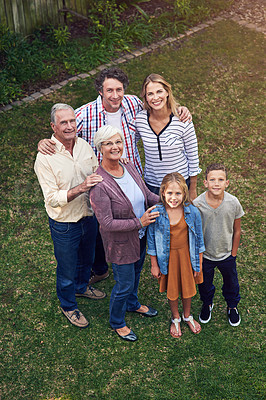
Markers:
92,293
76,318
97,278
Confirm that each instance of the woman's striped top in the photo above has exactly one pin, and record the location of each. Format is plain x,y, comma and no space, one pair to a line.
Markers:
174,149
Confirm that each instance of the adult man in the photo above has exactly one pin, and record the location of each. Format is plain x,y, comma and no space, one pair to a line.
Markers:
112,107
65,179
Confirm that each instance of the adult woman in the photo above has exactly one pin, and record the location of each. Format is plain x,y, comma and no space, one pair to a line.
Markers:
169,144
119,203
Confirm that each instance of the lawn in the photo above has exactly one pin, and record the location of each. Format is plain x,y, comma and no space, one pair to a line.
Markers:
218,74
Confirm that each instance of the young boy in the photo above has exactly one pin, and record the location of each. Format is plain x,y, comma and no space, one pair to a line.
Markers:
221,215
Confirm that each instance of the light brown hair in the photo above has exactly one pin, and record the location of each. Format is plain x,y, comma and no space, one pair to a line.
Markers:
178,178
171,101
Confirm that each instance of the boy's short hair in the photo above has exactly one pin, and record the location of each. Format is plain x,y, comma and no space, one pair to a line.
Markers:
216,167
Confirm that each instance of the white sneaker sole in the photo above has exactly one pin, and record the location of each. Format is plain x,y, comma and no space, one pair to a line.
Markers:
236,324
207,320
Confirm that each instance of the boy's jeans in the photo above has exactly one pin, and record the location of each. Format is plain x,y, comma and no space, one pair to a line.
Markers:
230,287
74,247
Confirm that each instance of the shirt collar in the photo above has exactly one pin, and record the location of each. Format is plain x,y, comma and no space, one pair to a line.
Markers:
58,145
103,110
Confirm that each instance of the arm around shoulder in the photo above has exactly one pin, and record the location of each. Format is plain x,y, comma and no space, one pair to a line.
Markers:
46,146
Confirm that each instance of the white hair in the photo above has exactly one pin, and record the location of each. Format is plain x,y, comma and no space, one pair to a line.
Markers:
57,107
105,133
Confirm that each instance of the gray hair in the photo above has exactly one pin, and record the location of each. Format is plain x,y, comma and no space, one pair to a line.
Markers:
105,133
57,107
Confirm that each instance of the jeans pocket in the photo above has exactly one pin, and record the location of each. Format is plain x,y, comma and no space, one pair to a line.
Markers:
60,227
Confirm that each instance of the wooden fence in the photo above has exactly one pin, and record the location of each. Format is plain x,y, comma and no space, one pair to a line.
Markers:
26,15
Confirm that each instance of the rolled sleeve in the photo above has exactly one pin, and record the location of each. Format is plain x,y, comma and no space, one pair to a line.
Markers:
191,148
151,240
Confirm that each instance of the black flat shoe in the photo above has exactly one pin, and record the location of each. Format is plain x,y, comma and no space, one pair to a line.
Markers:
150,313
130,337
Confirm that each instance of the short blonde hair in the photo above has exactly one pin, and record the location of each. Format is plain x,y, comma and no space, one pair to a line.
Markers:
178,178
105,133
171,101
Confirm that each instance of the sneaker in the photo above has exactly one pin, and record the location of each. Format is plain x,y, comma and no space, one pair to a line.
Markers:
76,318
92,293
206,313
97,278
233,316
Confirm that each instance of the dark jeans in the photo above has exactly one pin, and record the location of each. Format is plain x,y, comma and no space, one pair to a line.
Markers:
156,190
124,296
230,287
74,245
100,265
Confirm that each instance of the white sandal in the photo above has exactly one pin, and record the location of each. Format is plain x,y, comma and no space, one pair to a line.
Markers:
176,321
191,320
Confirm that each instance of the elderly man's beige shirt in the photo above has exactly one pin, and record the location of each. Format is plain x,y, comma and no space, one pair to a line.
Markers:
62,171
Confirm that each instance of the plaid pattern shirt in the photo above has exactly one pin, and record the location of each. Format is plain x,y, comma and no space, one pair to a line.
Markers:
90,117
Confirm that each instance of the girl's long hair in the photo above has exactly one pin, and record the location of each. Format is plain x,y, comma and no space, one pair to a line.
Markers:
174,177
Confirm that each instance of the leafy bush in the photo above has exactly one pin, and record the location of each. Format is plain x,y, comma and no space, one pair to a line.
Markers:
61,35
182,8
48,51
20,60
105,15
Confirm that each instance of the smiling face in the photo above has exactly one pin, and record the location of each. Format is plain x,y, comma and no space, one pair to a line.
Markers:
112,149
216,182
156,96
65,127
112,94
173,195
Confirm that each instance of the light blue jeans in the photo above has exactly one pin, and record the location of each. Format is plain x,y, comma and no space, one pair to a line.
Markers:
124,296
74,248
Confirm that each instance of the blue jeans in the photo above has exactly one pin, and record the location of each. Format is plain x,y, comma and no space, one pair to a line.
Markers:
74,246
124,296
230,287
156,190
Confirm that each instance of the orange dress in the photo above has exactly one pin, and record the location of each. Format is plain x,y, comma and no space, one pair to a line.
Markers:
180,277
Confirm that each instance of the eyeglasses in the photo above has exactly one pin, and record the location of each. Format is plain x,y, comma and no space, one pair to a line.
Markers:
110,144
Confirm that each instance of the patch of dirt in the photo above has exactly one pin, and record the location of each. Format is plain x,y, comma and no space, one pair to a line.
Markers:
250,10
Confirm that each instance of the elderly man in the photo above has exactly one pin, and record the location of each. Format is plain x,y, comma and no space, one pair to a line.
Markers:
66,178
112,107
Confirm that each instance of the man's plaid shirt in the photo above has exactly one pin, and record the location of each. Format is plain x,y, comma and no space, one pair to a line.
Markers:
90,117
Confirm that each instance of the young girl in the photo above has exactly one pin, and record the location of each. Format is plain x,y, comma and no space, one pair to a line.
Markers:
175,245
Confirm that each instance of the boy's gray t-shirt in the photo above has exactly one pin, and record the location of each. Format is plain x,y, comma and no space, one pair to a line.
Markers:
217,224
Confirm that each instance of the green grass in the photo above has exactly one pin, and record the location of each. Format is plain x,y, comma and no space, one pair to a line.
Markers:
218,74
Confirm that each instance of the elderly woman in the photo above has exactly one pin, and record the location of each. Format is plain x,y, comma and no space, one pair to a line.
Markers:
169,144
119,202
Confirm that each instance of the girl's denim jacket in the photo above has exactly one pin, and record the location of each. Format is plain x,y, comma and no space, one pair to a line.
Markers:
159,237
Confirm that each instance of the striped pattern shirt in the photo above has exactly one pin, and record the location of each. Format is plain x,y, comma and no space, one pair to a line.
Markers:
174,149
90,117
